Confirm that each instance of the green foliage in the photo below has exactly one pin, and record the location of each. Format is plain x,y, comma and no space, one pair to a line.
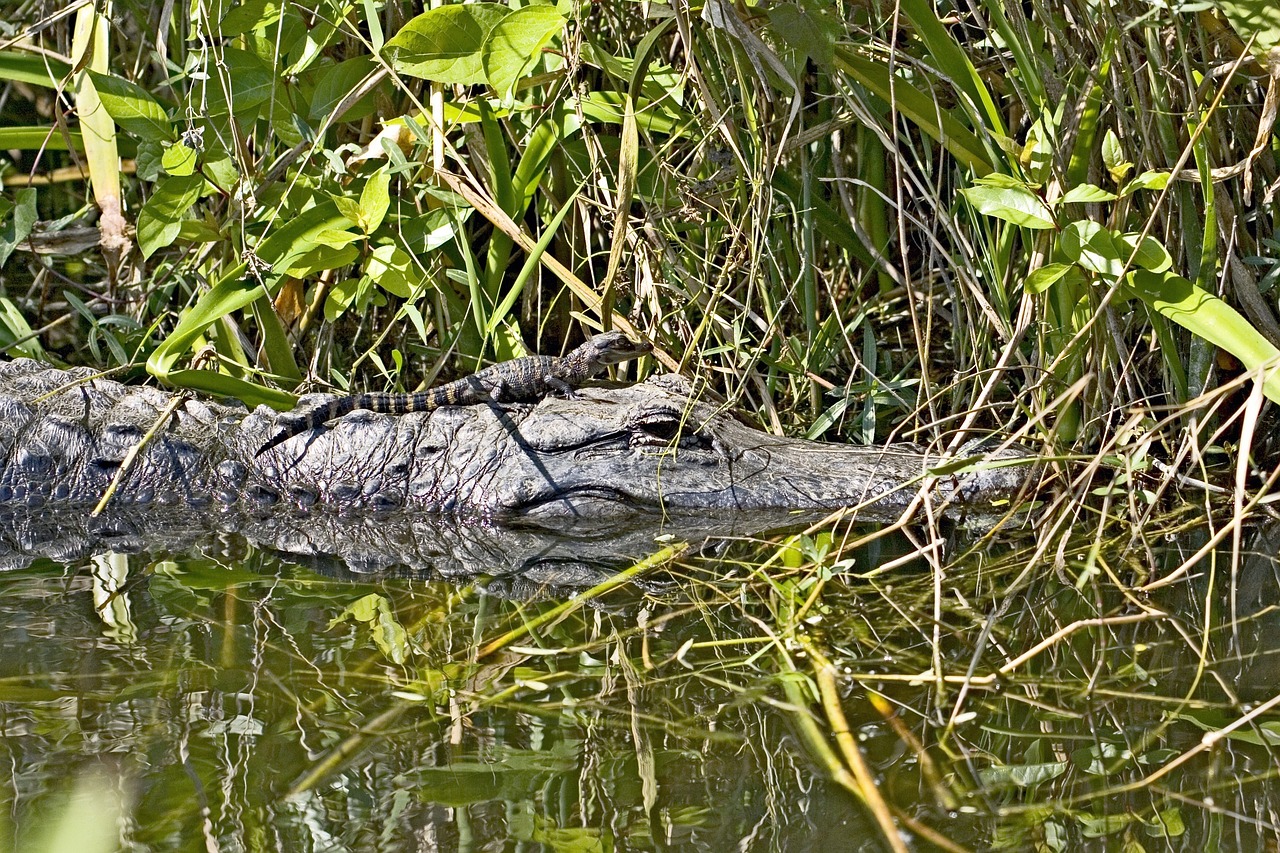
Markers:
359,197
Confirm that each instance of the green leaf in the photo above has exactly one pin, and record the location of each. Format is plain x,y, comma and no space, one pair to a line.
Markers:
374,201
445,44
35,138
515,45
1017,205
132,107
36,70
248,16
1204,314
322,258
19,218
1087,193
230,294
1148,180
338,81
808,32
1254,19
343,295
392,269
917,106
13,328
159,221
1043,278
349,208
240,85
299,235
179,160
1151,253
1094,247
1113,157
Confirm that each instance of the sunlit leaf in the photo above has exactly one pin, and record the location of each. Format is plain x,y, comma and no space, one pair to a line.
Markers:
179,160
1043,278
1094,247
1017,205
446,44
515,44
374,201
1206,315
1087,193
132,107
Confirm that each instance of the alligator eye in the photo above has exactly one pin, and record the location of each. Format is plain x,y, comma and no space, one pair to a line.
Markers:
660,428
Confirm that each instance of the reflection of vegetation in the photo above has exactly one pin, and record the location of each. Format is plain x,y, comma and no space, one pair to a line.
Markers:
733,703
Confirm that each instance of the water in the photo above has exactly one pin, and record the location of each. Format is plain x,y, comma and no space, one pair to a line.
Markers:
210,693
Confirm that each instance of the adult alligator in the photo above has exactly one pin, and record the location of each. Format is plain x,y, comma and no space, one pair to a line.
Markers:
65,436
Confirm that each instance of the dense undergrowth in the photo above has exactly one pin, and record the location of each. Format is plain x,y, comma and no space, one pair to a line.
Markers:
856,221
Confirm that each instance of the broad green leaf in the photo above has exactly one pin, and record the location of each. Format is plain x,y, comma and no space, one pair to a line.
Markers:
1151,254
179,160
336,82
808,33
374,201
220,170
160,220
240,84
445,44
1041,280
247,16
322,258
392,269
299,235
343,295
132,107
350,208
515,45
1149,180
1094,247
1113,157
18,218
1204,314
1087,193
1017,205
1254,19
337,238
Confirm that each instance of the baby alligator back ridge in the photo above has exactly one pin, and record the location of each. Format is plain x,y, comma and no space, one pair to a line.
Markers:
521,380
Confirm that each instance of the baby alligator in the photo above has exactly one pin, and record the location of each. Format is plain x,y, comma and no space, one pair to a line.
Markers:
521,380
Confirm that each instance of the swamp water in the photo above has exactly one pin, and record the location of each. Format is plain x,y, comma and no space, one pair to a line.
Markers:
515,692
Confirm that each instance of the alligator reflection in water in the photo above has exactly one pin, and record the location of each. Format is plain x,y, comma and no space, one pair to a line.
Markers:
519,561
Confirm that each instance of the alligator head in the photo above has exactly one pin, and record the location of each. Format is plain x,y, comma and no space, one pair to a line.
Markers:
650,447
